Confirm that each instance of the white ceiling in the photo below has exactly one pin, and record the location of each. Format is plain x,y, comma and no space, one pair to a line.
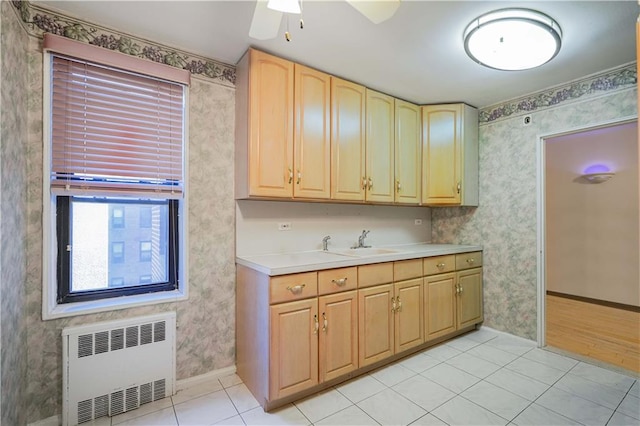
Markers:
417,55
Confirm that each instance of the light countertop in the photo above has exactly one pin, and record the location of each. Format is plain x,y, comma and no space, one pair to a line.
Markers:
291,263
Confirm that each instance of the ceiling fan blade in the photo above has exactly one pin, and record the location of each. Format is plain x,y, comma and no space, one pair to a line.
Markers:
265,23
376,10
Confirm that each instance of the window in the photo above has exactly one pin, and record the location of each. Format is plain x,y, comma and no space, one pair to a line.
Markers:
117,217
145,217
117,247
145,251
115,152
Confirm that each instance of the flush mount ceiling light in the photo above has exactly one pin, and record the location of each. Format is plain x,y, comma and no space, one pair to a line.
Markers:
512,39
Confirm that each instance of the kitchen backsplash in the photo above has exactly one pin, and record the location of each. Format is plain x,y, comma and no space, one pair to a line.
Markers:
257,224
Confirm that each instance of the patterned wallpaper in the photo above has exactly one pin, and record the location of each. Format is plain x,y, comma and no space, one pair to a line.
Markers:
206,329
13,227
37,20
506,222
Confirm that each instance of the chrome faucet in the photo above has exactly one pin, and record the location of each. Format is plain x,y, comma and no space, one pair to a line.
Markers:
325,242
361,240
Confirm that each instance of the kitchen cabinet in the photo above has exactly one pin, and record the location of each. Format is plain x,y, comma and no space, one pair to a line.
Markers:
380,142
450,155
293,365
312,142
301,332
452,300
338,314
348,180
408,153
391,315
264,126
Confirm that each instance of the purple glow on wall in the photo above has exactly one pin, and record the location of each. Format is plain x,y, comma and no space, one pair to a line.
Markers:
597,168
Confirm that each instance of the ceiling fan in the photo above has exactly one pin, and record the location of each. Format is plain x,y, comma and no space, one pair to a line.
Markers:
268,14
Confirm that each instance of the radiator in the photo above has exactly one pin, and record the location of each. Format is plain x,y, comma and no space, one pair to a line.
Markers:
113,367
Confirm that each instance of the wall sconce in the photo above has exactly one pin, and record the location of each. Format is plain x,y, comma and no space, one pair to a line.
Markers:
598,177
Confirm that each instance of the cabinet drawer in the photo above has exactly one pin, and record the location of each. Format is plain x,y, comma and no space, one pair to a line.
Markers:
407,269
468,260
335,280
293,287
379,273
439,264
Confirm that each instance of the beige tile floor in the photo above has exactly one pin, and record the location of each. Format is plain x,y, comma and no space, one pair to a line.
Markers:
481,378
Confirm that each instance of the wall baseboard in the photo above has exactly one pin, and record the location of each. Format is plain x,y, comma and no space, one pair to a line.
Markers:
206,377
504,333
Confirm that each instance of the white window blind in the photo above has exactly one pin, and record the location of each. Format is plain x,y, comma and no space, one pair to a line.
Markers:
115,131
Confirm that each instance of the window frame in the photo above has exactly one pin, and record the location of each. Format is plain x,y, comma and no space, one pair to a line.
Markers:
64,232
51,309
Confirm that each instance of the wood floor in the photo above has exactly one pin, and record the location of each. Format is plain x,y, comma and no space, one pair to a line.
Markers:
601,332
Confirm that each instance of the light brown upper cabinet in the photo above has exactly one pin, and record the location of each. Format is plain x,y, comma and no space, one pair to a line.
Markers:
264,126
348,181
380,138
282,130
408,153
450,155
312,149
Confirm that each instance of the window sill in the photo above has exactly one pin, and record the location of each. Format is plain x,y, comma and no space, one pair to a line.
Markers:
113,304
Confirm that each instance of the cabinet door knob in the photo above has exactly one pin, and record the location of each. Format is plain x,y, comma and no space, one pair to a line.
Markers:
340,282
290,175
398,187
296,288
364,183
399,308
324,322
370,184
299,177
459,187
315,324
393,304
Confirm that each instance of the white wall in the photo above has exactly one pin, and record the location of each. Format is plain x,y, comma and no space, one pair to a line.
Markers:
257,225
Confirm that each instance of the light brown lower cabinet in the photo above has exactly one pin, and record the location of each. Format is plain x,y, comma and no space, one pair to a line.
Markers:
338,351
301,332
293,365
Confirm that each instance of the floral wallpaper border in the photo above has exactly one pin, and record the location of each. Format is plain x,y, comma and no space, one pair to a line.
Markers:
37,21
616,79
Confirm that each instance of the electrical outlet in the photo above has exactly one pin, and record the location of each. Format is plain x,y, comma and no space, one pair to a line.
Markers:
418,222
284,226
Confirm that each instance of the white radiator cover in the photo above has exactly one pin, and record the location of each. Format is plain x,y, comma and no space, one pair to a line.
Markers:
113,367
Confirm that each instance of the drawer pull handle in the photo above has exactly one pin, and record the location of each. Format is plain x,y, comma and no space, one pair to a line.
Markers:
370,184
471,261
290,175
364,182
296,288
340,282
399,308
299,177
324,322
440,265
393,304
316,325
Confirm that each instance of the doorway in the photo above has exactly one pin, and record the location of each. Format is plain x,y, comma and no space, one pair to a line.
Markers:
590,250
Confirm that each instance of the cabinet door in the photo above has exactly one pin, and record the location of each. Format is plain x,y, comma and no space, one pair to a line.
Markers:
408,155
409,314
271,126
380,147
375,331
440,305
338,353
293,364
312,133
469,297
347,140
441,138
